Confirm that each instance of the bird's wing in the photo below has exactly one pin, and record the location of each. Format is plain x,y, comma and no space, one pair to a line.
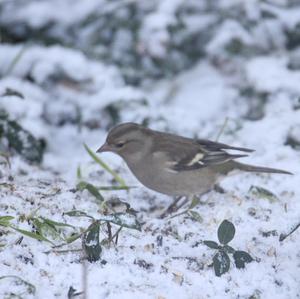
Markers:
188,154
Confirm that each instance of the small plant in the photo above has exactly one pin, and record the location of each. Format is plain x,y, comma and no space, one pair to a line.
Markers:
262,193
43,229
221,260
47,230
92,245
20,140
111,222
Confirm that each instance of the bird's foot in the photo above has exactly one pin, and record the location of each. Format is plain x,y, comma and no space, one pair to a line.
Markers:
174,206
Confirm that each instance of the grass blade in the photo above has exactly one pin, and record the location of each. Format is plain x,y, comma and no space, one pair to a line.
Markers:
111,188
32,235
16,60
105,166
4,220
91,188
55,223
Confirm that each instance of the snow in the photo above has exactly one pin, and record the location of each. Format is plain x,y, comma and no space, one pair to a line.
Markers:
228,31
271,73
65,102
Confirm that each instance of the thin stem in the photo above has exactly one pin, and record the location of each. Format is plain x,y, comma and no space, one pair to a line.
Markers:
284,236
222,128
171,207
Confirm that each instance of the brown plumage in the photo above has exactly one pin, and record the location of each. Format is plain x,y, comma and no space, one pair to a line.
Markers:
175,165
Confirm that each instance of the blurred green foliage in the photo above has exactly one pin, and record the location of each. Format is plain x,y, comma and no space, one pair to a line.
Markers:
19,140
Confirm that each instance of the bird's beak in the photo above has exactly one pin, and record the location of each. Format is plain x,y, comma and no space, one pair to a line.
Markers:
104,148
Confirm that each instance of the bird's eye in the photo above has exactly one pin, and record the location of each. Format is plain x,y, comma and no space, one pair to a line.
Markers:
120,144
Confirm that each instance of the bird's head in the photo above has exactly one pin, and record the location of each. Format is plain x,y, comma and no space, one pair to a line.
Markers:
126,140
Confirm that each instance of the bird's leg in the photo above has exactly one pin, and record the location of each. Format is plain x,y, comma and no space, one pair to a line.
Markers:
184,202
172,207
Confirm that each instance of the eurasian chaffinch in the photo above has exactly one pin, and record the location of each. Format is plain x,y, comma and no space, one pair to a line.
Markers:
172,164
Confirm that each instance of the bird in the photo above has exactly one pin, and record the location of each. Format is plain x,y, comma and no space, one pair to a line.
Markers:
175,165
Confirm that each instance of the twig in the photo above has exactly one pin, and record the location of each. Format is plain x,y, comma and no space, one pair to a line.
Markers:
84,280
282,237
179,214
222,128
109,232
171,207
63,251
116,235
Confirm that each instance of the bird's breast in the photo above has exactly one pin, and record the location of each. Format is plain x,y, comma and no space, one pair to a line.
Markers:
158,177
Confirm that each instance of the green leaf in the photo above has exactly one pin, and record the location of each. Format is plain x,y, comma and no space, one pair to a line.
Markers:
4,220
211,244
228,249
122,219
105,166
45,229
72,238
16,59
194,203
32,235
77,213
241,258
221,263
91,188
79,176
195,216
55,223
49,228
109,188
30,288
226,232
263,193
91,243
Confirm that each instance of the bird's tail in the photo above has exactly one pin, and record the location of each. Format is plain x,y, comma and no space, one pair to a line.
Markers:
253,168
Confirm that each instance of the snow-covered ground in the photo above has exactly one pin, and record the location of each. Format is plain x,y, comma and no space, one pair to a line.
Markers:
70,99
